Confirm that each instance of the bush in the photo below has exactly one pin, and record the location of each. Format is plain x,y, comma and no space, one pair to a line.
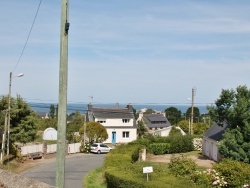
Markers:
180,144
182,166
85,148
175,131
142,142
159,148
236,173
209,178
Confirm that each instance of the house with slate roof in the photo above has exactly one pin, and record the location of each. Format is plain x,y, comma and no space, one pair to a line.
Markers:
155,121
157,124
211,139
119,122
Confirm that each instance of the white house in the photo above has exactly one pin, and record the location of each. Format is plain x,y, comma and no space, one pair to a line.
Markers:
119,122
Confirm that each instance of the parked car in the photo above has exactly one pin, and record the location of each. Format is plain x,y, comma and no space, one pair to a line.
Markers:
100,148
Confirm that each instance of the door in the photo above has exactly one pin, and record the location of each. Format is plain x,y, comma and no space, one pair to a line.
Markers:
113,137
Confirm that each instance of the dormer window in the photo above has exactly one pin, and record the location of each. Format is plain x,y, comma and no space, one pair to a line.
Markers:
125,120
102,121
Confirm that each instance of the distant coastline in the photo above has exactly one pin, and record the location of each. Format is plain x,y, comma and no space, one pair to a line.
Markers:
82,107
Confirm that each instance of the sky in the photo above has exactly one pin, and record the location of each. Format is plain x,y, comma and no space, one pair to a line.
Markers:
126,51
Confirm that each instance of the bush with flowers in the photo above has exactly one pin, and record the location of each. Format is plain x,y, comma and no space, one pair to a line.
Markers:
85,148
209,178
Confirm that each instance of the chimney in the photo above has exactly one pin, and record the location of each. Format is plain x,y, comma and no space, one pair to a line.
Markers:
130,108
90,106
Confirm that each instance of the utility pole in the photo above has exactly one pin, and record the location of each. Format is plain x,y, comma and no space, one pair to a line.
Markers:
62,104
8,140
4,137
192,110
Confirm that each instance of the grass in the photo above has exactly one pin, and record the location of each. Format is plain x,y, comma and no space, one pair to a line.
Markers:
95,179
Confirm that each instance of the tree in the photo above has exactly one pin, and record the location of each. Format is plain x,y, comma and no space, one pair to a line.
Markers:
196,114
95,132
52,112
173,115
200,128
184,125
149,111
23,122
77,121
142,129
136,114
232,108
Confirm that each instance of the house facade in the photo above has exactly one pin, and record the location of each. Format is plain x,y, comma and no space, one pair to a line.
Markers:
210,141
119,122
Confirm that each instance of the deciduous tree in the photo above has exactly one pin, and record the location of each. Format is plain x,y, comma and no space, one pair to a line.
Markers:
173,115
95,132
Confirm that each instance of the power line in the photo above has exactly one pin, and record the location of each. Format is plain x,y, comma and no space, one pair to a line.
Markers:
27,37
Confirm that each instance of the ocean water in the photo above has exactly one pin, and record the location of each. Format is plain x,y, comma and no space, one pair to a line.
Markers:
82,107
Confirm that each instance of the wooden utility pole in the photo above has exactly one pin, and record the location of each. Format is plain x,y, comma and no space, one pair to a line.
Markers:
62,104
192,111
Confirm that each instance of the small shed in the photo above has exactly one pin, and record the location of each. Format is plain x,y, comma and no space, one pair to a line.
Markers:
50,134
210,141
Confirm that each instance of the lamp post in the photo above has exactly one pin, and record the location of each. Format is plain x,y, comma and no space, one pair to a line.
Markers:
8,140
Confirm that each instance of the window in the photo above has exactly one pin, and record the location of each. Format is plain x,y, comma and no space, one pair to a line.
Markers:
102,121
125,120
125,134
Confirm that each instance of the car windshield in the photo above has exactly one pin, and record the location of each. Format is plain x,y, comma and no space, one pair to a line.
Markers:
94,145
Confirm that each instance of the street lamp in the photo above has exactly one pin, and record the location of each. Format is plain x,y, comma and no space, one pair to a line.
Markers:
8,141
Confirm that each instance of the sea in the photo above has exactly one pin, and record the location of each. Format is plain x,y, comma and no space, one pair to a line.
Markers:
82,107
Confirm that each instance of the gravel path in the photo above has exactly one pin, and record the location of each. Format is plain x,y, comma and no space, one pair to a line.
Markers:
199,160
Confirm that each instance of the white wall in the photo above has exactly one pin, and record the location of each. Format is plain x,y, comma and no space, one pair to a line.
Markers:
119,132
210,149
115,122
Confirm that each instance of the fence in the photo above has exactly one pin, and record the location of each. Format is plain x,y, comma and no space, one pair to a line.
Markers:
36,148
74,148
48,149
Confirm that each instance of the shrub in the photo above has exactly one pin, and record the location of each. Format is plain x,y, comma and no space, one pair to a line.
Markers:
135,155
181,144
182,166
142,142
175,131
85,148
159,148
236,173
209,178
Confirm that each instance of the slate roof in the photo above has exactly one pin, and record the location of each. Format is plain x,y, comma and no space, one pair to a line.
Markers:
112,113
156,120
215,132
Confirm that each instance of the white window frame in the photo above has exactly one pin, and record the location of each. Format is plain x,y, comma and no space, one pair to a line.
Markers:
125,134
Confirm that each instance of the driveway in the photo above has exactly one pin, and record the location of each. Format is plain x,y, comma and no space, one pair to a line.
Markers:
76,167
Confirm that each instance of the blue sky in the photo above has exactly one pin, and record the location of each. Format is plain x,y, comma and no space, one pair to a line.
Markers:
127,51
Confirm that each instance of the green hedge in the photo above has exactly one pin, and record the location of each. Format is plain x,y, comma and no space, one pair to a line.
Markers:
159,148
122,171
180,144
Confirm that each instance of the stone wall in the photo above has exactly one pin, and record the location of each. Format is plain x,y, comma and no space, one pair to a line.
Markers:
11,180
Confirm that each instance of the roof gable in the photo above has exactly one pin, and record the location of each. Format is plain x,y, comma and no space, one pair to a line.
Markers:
215,132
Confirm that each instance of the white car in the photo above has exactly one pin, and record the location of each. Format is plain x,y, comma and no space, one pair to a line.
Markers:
100,148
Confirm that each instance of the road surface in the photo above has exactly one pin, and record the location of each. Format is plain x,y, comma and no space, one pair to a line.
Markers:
76,166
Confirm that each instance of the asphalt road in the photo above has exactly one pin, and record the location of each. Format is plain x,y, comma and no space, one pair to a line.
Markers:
76,167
